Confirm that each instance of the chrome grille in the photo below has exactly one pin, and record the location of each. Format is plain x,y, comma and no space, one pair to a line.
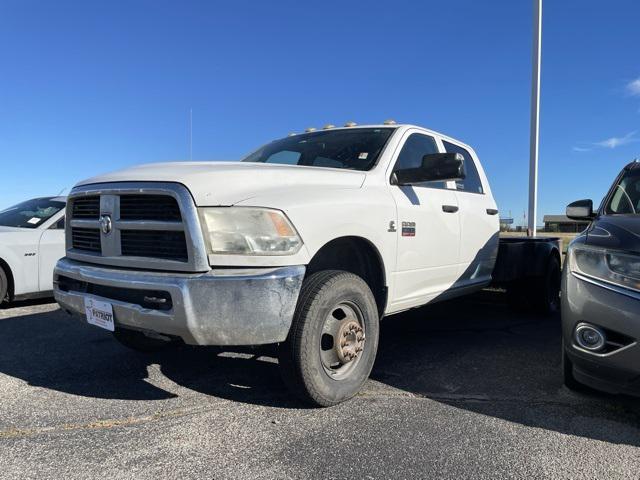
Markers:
144,225
154,244
86,207
149,207
87,239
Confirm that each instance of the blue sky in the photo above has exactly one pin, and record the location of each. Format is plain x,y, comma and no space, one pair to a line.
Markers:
88,87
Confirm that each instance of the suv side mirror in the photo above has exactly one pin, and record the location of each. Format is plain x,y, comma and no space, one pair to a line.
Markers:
435,167
580,210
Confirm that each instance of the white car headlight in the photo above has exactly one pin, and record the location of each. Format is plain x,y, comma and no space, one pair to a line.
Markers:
606,265
248,231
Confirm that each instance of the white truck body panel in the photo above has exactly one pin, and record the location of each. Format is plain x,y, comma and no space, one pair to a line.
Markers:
448,250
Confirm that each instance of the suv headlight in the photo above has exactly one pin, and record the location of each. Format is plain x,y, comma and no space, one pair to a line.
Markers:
608,266
248,231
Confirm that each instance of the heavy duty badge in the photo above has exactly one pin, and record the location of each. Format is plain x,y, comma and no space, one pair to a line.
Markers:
408,229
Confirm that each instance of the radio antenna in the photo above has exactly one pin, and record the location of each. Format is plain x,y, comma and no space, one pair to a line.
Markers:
190,133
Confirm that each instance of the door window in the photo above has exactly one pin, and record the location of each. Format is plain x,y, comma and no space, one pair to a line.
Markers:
416,147
626,196
471,183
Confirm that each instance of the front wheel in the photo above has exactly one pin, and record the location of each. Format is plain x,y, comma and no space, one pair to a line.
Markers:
333,339
4,287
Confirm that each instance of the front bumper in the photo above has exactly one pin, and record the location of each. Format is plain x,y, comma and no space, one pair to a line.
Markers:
618,370
248,306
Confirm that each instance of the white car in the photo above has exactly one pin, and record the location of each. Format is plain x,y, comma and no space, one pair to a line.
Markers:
306,243
31,242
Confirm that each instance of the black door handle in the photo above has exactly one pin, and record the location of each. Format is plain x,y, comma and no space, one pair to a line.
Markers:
492,211
449,208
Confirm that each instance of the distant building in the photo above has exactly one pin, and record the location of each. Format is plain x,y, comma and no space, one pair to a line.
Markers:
505,224
563,224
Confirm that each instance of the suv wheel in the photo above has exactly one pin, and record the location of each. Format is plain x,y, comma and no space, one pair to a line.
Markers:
333,339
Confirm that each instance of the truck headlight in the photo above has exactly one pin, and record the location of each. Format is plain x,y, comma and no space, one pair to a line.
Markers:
608,266
248,231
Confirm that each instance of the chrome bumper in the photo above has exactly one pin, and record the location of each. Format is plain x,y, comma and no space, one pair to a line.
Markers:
221,307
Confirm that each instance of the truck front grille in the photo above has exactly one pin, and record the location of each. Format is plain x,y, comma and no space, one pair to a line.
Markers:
154,244
141,225
149,207
87,239
86,207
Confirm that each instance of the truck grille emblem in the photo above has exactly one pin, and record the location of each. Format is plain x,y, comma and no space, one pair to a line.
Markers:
105,224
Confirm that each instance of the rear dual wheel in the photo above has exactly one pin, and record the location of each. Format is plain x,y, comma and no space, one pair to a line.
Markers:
333,340
546,289
541,294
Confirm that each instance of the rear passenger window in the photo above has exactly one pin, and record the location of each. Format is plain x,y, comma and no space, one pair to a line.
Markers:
416,147
472,181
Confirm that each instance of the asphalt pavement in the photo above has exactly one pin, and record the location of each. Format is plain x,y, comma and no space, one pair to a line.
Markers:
464,389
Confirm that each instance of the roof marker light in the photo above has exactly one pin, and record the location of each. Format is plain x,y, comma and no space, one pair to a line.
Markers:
310,129
328,126
350,124
389,122
292,134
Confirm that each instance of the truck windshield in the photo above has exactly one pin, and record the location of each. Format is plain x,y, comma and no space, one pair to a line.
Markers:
350,148
625,199
31,213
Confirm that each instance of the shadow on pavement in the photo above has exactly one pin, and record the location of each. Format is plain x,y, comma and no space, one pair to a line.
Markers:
51,350
478,355
473,353
26,303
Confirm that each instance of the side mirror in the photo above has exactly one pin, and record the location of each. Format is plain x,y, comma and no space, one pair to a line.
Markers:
580,210
435,167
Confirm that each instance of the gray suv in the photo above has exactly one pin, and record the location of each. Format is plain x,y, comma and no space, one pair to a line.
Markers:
601,291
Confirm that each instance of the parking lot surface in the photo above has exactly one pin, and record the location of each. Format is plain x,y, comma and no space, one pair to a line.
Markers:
464,389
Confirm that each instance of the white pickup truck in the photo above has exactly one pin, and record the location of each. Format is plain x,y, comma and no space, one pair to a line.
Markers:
31,242
306,243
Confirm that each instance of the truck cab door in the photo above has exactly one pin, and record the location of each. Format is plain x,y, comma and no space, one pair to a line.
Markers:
479,223
428,230
51,249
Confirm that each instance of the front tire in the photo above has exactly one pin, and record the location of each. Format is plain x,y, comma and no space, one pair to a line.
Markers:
4,287
333,340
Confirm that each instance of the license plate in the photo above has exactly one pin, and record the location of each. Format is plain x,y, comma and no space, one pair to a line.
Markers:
99,313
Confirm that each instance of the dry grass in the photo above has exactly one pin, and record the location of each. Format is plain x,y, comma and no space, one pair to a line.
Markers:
564,237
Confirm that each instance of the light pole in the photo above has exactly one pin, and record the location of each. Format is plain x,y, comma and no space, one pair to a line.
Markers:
535,116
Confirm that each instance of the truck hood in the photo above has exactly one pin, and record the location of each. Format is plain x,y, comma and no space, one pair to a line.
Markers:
227,183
